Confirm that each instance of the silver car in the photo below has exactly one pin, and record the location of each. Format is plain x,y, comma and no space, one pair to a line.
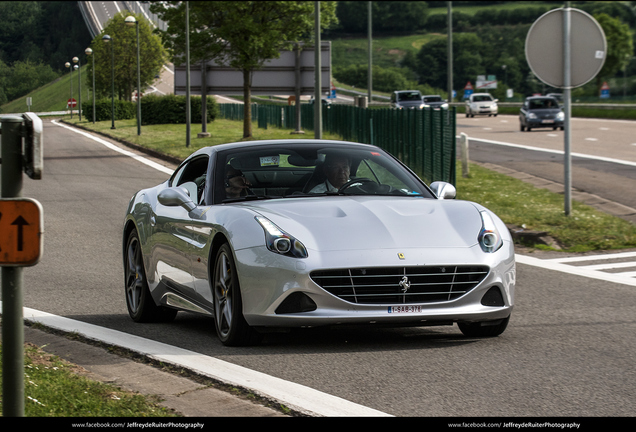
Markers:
481,104
270,235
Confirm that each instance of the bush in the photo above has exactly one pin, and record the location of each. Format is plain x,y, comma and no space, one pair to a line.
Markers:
169,109
103,109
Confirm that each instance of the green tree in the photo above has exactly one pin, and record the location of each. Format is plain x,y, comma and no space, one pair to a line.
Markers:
124,43
620,48
24,76
247,33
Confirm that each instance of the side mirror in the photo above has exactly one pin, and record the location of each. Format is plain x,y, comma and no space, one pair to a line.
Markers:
177,196
443,190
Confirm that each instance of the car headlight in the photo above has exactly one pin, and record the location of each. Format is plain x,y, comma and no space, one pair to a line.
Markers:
422,106
489,237
444,105
279,241
560,116
532,116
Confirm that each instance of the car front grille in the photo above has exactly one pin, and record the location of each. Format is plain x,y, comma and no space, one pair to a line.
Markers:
400,285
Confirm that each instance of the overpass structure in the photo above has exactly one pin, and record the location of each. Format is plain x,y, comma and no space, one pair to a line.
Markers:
96,15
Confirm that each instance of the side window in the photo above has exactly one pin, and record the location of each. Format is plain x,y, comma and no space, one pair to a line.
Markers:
192,175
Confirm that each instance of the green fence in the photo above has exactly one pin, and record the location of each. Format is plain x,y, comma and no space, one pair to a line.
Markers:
423,139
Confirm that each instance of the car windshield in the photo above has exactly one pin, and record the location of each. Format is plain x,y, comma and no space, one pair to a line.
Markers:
543,103
409,96
301,170
432,98
482,98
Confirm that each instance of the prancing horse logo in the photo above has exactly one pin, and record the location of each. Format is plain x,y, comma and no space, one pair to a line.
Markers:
405,284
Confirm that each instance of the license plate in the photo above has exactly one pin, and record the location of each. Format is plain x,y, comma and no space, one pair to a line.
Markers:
547,121
405,309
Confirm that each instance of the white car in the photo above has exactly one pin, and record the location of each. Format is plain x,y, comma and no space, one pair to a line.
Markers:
249,234
481,104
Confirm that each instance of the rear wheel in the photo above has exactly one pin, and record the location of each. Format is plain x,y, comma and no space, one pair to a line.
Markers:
141,306
484,329
231,326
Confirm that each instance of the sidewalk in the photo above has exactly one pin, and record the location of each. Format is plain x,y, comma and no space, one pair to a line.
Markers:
181,394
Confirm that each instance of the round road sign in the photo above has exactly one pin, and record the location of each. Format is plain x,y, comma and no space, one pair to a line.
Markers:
544,48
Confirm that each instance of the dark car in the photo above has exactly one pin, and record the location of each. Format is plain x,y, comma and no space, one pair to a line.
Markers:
540,112
407,99
434,101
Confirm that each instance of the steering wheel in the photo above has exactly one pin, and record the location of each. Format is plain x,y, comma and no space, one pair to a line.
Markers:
354,182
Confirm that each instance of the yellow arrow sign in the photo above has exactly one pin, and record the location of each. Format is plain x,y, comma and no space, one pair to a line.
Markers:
21,229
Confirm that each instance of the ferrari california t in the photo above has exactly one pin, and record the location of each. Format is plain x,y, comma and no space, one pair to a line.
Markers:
271,235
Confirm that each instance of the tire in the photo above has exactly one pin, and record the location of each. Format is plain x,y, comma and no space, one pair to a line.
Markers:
231,327
485,329
141,306
522,127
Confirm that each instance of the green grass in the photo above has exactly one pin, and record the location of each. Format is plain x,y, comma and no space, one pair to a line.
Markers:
171,139
56,388
472,10
520,204
516,202
53,96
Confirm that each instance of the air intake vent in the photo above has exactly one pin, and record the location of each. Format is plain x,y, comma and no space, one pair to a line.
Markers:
400,285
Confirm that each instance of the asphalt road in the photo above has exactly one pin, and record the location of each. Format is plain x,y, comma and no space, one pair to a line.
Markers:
596,147
568,351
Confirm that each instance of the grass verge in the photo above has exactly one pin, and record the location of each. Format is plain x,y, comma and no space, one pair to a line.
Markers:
515,202
56,388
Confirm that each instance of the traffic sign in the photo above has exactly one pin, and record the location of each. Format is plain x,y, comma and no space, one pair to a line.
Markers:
71,103
21,225
605,91
545,51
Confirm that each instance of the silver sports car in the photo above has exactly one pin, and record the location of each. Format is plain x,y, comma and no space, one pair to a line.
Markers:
270,235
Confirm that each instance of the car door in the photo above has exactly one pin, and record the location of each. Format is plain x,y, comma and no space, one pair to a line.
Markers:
176,238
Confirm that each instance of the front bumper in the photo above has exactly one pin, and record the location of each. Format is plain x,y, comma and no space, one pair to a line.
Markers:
267,280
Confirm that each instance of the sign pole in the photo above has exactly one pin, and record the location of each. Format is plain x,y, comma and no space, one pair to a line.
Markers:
12,319
567,100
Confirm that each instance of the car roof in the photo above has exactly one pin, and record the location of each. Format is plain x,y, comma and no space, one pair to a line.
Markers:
263,143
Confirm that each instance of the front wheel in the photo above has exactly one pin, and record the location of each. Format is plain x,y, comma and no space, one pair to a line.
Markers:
484,329
141,306
231,326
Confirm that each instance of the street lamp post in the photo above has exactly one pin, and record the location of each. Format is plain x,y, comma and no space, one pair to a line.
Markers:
107,39
68,65
78,67
131,21
89,52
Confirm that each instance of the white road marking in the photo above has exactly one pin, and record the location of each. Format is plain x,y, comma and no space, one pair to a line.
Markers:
560,152
141,159
301,398
591,271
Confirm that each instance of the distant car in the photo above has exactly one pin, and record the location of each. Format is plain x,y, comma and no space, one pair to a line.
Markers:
540,112
481,104
434,101
325,101
293,250
407,99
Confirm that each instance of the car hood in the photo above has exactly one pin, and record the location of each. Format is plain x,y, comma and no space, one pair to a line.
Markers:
359,222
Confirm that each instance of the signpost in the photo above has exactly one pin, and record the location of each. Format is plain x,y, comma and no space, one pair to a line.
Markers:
21,225
574,62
